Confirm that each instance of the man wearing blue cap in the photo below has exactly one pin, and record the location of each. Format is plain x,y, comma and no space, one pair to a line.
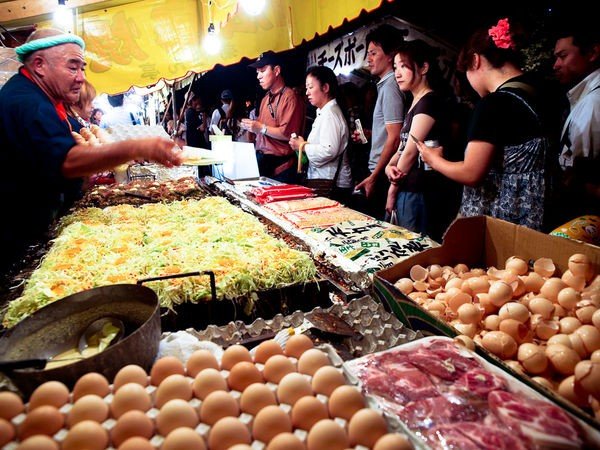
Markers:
38,154
221,114
281,113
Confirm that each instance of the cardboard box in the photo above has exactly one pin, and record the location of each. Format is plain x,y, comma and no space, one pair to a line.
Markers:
481,242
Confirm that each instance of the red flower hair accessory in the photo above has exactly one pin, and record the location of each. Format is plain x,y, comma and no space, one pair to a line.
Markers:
500,34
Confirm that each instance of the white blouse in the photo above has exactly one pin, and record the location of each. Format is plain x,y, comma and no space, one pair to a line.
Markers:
327,140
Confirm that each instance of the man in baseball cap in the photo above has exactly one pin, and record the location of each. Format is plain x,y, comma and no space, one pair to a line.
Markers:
281,113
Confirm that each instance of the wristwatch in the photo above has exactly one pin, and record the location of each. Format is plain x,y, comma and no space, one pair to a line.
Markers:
263,130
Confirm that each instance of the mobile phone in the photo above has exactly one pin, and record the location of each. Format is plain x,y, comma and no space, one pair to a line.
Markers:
359,128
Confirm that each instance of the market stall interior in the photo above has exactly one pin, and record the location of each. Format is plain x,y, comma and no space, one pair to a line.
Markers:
203,305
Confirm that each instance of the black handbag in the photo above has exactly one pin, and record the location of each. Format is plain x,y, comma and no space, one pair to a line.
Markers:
324,187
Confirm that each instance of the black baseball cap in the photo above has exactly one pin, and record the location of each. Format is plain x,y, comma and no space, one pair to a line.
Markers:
268,58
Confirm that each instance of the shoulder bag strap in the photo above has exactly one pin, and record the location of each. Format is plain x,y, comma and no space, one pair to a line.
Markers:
337,171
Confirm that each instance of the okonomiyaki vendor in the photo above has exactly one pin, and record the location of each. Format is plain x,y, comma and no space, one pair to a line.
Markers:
38,154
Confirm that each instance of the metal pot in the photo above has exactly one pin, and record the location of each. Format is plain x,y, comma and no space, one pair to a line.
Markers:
58,326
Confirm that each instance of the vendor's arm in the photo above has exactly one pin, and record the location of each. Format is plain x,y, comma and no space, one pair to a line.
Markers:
82,160
471,171
391,145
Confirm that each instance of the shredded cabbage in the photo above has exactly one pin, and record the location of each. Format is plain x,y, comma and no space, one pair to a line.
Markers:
121,244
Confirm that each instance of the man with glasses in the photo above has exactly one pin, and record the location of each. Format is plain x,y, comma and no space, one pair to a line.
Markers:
281,113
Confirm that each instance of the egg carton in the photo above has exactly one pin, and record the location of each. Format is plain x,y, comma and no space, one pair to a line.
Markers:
376,328
203,429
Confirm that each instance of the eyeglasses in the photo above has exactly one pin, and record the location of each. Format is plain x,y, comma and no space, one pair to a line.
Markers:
270,106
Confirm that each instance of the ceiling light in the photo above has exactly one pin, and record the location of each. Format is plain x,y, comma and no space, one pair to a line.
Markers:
253,7
63,16
212,43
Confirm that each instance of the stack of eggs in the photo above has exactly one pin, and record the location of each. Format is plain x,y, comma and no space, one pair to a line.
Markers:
540,324
276,399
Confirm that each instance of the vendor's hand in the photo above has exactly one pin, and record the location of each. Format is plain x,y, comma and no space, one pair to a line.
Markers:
368,185
296,142
160,150
430,154
254,126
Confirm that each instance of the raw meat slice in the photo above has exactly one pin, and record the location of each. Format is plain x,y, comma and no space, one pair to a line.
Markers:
475,435
478,382
544,423
435,411
443,360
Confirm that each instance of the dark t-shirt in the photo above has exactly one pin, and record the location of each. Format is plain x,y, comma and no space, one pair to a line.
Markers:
194,137
436,107
34,142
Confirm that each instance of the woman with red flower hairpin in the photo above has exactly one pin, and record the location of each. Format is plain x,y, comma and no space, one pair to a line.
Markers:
504,164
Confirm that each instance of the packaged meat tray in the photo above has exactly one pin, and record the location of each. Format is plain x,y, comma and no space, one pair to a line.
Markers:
281,192
283,207
452,398
323,217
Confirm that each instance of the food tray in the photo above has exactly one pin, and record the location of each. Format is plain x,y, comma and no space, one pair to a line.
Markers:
380,330
407,403
188,400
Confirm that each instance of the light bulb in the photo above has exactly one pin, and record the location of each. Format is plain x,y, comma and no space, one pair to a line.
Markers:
253,7
212,43
63,16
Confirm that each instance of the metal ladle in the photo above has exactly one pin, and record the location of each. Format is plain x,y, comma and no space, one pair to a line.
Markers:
92,329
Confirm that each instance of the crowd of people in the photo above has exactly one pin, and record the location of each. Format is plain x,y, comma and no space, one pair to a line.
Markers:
517,157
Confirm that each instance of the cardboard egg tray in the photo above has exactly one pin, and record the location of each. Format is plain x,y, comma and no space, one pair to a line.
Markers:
204,429
378,329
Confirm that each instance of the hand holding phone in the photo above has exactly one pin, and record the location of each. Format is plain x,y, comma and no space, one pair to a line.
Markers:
361,132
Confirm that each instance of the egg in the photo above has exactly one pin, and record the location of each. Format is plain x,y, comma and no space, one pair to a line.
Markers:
200,360
88,407
311,360
207,381
307,411
544,267
465,341
500,344
345,401
277,367
38,442
297,345
130,374
492,322
544,382
500,293
533,282
11,405
269,422
569,390
45,419
87,434
53,393
174,414
233,355
533,358
174,386
515,329
130,396
326,379
404,285
183,439
255,397
590,335
228,432
587,375
327,435
580,265
393,441
285,441
551,288
514,310
7,432
560,339
576,282
545,329
165,366
92,383
217,405
562,358
595,357
292,387
267,349
132,423
242,375
366,427
569,324
596,318
136,443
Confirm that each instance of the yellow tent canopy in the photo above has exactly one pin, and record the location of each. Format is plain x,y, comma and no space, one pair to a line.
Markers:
138,43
